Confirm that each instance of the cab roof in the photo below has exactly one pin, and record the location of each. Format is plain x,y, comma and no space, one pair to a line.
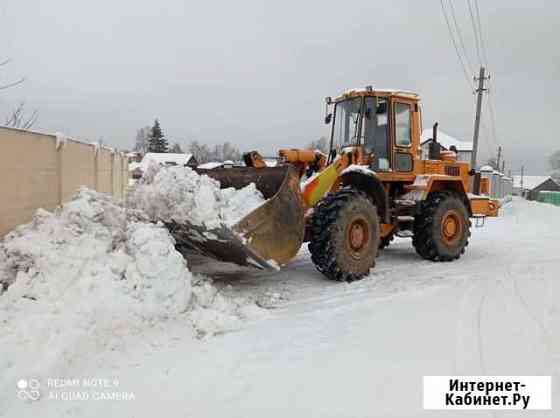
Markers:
376,92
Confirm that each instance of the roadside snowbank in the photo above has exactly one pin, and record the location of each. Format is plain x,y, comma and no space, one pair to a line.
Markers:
81,278
89,276
180,194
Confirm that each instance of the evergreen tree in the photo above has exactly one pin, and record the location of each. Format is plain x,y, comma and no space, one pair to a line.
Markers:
156,140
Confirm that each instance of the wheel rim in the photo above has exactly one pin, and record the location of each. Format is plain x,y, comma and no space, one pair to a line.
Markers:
358,236
451,227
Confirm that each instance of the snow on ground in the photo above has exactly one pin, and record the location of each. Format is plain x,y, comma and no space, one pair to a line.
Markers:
180,194
349,350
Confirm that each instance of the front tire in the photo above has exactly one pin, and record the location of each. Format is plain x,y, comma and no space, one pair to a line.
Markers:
441,228
344,235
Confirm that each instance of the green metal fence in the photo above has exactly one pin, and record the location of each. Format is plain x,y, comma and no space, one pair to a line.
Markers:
549,197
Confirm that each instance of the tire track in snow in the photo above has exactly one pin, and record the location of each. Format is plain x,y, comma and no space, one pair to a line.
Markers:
514,280
479,332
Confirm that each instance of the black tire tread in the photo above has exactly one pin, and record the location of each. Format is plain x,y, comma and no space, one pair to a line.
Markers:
423,239
321,245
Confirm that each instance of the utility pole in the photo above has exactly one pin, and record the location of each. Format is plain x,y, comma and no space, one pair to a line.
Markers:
503,166
499,157
480,90
521,183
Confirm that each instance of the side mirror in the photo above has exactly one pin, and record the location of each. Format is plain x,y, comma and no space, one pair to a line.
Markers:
328,118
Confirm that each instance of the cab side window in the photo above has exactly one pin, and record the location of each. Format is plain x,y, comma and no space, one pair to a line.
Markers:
403,126
376,132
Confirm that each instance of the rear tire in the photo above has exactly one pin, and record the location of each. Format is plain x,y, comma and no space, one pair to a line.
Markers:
441,228
344,235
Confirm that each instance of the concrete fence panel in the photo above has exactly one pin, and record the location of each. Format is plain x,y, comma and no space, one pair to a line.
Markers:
78,168
104,165
37,171
29,176
116,175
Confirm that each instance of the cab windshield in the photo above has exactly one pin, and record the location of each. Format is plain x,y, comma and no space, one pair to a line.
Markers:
347,123
364,121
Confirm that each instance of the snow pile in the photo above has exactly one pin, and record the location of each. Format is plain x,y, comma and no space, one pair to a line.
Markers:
91,276
82,278
362,169
180,194
215,312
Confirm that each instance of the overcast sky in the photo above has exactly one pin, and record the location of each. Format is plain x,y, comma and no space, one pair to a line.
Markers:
256,72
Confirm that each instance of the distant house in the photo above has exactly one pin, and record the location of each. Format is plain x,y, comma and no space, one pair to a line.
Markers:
211,165
463,149
168,159
164,159
530,186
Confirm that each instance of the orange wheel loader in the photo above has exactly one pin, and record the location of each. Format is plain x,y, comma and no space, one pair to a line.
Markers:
351,201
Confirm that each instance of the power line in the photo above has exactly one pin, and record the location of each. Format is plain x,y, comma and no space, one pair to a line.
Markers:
460,36
481,33
469,82
486,144
491,104
492,116
475,31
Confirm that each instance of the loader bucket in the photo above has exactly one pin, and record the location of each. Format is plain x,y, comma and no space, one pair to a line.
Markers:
267,237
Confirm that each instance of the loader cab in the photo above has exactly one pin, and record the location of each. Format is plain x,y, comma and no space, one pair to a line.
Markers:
385,123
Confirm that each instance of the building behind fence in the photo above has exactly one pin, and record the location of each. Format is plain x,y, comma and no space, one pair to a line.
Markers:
530,187
43,171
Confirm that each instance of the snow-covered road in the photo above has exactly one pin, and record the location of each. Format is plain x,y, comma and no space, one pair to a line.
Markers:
352,350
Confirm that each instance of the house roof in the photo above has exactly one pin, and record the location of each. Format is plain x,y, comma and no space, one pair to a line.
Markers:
447,141
210,165
165,158
530,182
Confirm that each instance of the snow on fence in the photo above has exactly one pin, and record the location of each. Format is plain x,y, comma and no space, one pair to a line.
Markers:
42,171
501,186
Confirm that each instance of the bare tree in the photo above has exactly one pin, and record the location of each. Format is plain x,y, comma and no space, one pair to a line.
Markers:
230,152
141,143
201,152
321,144
18,118
176,148
12,83
554,162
